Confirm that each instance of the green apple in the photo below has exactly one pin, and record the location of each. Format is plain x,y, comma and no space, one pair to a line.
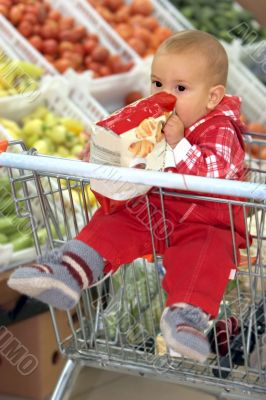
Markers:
33,127
62,151
31,140
57,134
72,125
40,112
71,140
42,146
50,120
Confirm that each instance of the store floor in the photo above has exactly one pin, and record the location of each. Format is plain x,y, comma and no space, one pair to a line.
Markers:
96,384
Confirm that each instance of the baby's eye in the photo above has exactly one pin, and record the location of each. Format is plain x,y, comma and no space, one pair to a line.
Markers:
157,83
180,88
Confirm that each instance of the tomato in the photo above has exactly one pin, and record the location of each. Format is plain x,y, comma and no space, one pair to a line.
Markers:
162,33
15,14
50,30
62,64
138,45
36,42
143,7
87,61
25,28
50,46
32,18
4,10
6,3
123,14
65,46
89,45
124,30
143,34
66,23
113,5
99,54
151,23
104,70
54,14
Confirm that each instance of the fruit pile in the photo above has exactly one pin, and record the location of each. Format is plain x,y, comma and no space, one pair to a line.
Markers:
134,22
49,133
224,20
63,43
13,229
17,77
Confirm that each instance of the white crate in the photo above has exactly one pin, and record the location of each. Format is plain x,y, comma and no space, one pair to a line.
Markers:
54,94
22,47
24,51
90,18
89,105
15,107
8,51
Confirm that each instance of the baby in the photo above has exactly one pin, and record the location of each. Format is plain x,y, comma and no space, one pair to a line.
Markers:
204,138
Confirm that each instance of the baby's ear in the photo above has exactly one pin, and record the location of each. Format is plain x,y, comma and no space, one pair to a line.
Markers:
215,96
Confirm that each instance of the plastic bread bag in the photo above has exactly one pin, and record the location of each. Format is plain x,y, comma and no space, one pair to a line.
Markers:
130,137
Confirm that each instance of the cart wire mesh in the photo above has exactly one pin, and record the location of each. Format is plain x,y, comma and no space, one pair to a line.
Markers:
116,322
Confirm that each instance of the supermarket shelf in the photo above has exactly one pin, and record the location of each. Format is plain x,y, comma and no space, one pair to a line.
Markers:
7,49
90,18
11,38
23,47
53,92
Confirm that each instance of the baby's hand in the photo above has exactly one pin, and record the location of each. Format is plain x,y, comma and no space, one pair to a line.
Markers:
173,130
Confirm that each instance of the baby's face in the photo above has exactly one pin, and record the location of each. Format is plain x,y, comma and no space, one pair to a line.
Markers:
185,76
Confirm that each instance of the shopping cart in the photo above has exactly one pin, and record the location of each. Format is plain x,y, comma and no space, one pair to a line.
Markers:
116,323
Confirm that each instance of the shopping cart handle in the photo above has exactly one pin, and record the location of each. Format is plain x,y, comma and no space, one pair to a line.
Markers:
3,146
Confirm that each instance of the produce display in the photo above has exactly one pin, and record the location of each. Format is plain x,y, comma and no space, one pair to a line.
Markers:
49,133
135,305
17,77
134,22
63,42
13,229
221,19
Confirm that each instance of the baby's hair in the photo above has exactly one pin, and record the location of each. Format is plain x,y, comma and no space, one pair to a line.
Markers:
203,43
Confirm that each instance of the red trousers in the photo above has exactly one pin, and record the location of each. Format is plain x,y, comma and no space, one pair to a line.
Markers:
198,257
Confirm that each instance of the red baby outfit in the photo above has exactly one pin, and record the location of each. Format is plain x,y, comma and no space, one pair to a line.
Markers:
199,256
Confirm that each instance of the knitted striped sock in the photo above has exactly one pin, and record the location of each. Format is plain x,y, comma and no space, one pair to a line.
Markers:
182,329
57,278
